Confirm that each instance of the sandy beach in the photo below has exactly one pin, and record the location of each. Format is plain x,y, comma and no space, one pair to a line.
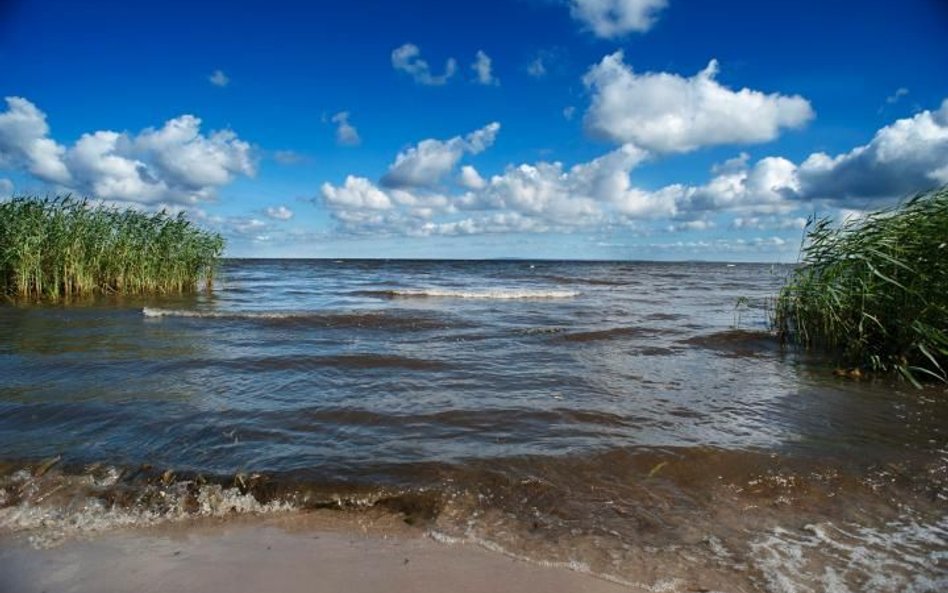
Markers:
286,555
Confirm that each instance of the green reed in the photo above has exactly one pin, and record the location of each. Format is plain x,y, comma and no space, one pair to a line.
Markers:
874,291
57,248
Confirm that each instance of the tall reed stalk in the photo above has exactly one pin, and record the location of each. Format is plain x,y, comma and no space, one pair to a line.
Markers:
63,248
874,291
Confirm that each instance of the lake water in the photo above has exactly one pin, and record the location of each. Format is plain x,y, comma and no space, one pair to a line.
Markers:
634,420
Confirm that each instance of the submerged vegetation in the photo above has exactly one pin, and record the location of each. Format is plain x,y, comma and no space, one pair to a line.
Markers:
874,291
63,248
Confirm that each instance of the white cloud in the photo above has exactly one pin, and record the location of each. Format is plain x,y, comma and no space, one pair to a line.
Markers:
569,112
482,69
356,193
279,212
186,159
425,164
175,164
898,94
6,188
218,78
771,194
669,113
700,224
526,197
289,157
906,156
470,178
24,142
248,226
407,58
536,68
768,223
614,18
98,165
346,134
763,188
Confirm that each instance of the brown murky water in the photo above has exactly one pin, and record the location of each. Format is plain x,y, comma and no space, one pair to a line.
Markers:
626,419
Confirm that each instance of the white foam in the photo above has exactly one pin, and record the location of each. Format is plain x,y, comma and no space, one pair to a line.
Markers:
501,294
469,538
47,525
154,312
902,556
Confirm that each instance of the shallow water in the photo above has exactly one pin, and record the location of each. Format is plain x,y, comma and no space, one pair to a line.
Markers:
605,414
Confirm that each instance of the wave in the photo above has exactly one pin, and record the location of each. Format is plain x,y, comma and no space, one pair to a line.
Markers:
622,513
53,506
154,312
737,343
367,320
585,280
616,333
303,362
500,294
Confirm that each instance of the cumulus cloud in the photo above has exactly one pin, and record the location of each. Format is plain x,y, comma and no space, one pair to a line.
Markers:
765,187
470,178
668,113
578,196
482,70
174,164
279,212
357,193
407,58
181,155
346,133
772,193
525,197
218,78
426,163
24,142
906,156
614,18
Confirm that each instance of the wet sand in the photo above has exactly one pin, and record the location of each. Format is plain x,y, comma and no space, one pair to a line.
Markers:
276,556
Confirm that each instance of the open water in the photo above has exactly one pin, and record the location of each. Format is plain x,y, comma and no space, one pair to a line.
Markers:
633,420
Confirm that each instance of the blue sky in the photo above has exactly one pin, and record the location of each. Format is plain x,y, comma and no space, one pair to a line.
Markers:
614,129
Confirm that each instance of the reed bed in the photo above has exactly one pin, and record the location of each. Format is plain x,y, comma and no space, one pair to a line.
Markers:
873,292
60,248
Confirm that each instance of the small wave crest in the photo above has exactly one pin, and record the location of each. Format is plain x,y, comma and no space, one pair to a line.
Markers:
52,507
155,312
499,294
330,319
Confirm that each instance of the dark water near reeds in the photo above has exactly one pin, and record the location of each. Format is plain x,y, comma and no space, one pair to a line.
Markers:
635,420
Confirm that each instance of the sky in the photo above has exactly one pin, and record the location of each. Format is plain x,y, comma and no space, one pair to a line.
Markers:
563,129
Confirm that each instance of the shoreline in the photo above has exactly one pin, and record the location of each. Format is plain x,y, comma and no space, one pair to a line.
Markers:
288,553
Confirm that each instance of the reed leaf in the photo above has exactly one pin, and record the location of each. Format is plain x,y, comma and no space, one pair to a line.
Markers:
61,248
890,268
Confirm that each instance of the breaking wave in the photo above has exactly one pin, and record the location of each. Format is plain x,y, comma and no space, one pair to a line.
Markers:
500,294
329,319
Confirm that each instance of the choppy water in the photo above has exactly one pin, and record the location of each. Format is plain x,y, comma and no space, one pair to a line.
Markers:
629,419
